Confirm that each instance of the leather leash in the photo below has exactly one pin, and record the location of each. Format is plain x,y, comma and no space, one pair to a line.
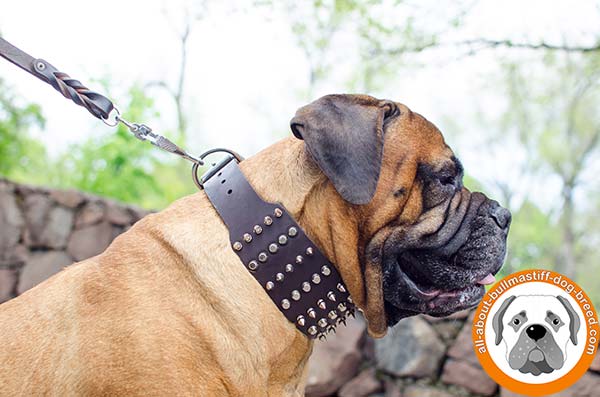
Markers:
294,273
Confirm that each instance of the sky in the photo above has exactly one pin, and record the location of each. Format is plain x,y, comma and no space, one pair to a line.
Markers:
246,75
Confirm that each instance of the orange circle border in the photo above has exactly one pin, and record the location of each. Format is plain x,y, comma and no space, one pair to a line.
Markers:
541,389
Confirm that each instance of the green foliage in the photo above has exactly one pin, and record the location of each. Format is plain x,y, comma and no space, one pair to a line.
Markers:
21,157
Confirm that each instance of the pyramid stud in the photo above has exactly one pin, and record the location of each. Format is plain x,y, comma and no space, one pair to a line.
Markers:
311,312
285,304
262,257
325,270
342,307
309,251
350,300
257,229
321,304
331,329
279,277
322,323
306,286
292,231
273,248
332,315
341,288
316,278
278,212
282,239
247,237
299,259
289,268
312,330
268,220
253,265
331,296
322,337
300,320
237,246
296,295
269,285
342,321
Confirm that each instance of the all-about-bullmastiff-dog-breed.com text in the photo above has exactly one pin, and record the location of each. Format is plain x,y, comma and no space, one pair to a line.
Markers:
170,309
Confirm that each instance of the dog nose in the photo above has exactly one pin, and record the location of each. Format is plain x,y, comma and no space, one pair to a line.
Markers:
536,332
501,216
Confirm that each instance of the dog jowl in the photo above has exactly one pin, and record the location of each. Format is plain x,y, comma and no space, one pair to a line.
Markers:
426,244
537,331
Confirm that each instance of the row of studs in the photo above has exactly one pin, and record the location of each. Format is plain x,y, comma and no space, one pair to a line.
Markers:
257,229
273,248
325,324
306,287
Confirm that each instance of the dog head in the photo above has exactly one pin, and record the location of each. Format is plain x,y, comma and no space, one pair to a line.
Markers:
425,242
536,330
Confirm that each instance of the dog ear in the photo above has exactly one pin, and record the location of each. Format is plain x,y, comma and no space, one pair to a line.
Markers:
574,324
344,135
497,323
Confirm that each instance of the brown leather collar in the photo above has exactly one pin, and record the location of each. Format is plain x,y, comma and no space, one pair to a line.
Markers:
298,278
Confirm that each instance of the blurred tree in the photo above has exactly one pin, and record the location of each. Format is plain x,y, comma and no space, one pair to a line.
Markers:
21,157
557,123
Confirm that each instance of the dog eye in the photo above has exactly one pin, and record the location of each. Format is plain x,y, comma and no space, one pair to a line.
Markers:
516,321
556,321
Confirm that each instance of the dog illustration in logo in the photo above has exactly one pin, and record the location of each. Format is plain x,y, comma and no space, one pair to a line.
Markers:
536,330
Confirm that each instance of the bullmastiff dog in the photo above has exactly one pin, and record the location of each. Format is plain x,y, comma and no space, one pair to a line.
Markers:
169,309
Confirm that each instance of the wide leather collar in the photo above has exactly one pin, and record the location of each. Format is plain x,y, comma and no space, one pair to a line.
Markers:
292,270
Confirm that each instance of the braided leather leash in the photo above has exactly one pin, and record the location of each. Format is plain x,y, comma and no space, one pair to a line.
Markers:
97,104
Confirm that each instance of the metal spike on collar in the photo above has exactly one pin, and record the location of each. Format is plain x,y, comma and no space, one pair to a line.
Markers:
322,337
289,268
257,229
331,329
325,270
268,220
300,320
306,286
247,237
312,330
331,296
237,246
341,287
321,303
311,313
316,279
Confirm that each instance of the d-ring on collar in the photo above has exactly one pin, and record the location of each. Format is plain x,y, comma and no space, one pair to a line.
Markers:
295,274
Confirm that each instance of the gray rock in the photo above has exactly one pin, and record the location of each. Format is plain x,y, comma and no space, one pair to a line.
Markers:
13,257
473,378
411,348
89,214
57,229
37,208
11,219
67,198
8,284
118,215
391,389
89,241
462,348
425,391
587,386
363,385
596,363
40,266
335,361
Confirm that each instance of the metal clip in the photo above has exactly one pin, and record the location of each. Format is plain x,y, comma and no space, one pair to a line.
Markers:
144,133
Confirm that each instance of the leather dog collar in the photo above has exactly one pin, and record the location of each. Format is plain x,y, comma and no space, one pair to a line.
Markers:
295,274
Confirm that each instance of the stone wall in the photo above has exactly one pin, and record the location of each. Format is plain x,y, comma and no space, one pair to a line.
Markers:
42,230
